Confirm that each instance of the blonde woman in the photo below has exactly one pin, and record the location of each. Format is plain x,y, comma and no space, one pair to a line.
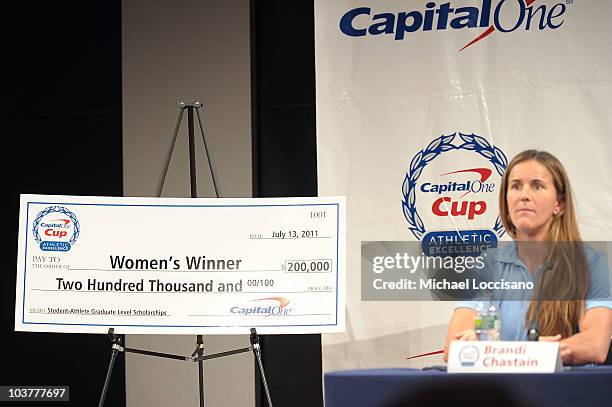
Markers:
537,210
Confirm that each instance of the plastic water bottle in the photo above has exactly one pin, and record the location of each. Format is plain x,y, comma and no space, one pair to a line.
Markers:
480,314
493,323
487,322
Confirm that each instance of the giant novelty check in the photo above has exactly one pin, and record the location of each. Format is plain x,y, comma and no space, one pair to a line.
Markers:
180,266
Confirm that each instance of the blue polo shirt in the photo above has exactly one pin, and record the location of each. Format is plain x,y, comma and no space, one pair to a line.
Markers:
504,263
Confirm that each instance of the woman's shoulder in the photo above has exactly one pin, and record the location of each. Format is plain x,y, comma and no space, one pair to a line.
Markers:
599,287
594,254
503,252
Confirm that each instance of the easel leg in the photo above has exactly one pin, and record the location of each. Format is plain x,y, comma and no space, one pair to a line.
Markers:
116,340
162,177
257,352
200,352
192,160
208,155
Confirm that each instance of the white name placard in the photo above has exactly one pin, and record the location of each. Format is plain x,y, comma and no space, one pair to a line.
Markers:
180,266
503,357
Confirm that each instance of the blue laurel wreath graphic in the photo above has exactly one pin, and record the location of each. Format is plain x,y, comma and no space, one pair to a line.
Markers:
471,142
60,209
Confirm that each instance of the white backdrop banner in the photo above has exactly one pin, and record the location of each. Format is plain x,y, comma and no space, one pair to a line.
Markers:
420,106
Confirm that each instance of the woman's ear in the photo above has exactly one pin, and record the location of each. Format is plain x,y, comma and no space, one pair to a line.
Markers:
558,208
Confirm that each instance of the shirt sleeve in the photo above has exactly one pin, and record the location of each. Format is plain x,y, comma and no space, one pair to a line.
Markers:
599,289
466,304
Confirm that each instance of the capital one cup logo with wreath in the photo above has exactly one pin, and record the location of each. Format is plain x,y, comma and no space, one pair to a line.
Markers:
56,229
450,192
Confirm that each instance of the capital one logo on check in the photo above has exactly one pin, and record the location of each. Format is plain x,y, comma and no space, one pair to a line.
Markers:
272,306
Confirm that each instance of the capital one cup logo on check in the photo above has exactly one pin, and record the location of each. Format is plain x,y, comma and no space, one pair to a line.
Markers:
450,191
56,229
487,16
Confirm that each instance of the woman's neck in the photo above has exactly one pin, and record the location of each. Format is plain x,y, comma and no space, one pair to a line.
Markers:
533,253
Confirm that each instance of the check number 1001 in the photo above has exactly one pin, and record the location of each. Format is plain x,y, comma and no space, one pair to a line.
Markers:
308,266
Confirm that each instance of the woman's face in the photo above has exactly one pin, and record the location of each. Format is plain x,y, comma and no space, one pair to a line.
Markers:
532,200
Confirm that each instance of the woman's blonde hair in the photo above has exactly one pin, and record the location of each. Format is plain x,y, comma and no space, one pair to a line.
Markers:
565,284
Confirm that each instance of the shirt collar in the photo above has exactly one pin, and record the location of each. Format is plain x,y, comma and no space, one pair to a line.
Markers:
508,253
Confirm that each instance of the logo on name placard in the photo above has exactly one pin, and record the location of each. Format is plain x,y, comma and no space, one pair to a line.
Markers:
487,16
56,229
469,355
453,184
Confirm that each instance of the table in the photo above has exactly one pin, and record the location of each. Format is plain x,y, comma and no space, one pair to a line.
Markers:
582,386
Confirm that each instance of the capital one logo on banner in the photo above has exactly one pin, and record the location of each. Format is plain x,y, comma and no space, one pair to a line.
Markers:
464,199
503,16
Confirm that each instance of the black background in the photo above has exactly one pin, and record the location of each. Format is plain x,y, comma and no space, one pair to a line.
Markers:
284,164
62,104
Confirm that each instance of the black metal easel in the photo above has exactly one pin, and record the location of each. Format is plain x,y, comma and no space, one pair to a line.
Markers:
198,356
